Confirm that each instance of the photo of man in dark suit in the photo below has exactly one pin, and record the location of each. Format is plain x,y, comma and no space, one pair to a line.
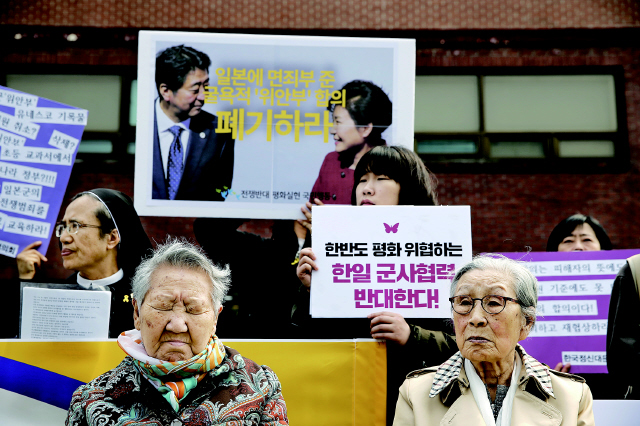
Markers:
190,160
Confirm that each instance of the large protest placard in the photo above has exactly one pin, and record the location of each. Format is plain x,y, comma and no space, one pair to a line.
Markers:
387,258
36,390
39,378
39,140
256,125
573,306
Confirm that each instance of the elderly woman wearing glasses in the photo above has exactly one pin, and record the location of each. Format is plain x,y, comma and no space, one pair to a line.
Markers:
492,380
102,241
176,370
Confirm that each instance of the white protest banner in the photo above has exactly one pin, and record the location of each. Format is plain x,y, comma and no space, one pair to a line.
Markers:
387,258
258,133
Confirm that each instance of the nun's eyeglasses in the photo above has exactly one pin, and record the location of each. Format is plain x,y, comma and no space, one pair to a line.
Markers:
492,304
72,228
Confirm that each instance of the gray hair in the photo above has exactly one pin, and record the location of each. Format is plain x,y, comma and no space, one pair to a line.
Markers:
181,254
525,283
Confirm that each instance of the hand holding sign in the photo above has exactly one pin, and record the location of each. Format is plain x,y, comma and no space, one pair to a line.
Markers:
29,260
562,368
307,213
305,266
389,326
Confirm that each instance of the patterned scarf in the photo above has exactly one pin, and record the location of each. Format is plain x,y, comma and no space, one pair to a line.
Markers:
174,380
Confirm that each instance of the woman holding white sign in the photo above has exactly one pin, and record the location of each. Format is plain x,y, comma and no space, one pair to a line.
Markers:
386,175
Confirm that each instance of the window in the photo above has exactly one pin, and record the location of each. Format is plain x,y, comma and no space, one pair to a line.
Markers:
514,119
110,99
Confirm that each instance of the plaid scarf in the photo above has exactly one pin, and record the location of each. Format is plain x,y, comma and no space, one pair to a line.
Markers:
174,380
450,370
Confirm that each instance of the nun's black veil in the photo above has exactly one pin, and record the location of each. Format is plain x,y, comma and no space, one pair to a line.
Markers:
134,242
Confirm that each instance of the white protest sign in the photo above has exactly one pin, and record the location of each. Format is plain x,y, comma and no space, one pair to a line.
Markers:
7,248
28,174
22,190
23,206
22,127
63,142
10,140
64,314
17,99
29,154
33,228
54,115
387,258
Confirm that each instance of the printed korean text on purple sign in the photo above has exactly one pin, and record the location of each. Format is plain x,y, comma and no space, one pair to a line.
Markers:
39,140
574,289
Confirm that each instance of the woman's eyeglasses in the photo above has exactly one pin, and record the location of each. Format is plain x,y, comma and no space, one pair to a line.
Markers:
492,304
72,228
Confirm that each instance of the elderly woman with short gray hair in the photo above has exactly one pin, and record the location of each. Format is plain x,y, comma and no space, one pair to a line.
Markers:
491,380
176,370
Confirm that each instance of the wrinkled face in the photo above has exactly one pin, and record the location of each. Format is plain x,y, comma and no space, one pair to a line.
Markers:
345,133
177,317
378,190
583,238
86,250
188,100
482,337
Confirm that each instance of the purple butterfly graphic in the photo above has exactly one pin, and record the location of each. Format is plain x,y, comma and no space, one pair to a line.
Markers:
393,228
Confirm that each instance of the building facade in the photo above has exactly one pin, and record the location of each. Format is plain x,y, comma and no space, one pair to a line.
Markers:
520,179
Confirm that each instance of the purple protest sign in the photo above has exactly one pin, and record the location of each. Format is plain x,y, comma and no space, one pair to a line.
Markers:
573,306
39,140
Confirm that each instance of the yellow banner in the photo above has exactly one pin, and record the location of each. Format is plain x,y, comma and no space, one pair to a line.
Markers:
323,382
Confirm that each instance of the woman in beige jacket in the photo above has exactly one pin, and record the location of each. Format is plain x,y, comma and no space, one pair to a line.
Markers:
492,380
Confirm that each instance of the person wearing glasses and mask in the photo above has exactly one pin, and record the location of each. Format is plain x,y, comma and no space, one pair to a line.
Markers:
102,241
